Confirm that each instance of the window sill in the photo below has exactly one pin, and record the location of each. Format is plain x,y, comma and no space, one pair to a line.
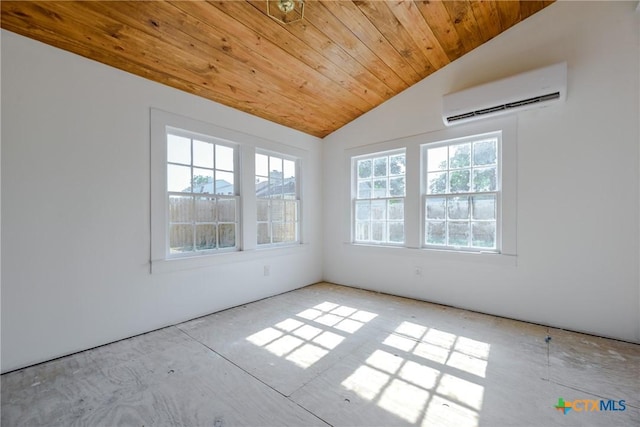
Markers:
437,254
212,260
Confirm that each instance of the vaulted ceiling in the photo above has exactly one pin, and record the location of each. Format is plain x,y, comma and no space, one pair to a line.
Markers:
315,75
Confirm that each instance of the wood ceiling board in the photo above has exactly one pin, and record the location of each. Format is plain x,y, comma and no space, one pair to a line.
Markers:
315,75
335,56
411,18
509,13
343,37
439,21
486,13
397,35
464,22
353,19
233,55
304,52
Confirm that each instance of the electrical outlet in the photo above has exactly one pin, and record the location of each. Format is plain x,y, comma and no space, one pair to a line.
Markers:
267,270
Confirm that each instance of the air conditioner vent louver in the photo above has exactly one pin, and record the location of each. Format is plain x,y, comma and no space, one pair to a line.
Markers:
497,108
533,89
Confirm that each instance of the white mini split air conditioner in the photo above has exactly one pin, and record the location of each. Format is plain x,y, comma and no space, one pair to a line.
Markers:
533,89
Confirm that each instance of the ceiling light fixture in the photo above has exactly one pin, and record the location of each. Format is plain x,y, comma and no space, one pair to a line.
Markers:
286,11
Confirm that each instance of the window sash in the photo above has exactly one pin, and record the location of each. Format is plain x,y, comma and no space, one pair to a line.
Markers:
471,221
272,224
387,230
278,225
448,194
193,221
211,232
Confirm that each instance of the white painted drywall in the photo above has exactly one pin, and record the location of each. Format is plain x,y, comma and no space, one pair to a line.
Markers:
75,209
577,190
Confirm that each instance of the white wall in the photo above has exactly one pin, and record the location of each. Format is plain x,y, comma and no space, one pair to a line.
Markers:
577,189
76,216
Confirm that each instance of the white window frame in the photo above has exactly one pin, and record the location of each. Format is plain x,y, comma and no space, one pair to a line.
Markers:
450,194
415,188
218,197
386,198
270,222
247,145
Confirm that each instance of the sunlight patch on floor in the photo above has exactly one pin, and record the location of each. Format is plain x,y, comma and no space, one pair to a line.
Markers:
425,376
305,340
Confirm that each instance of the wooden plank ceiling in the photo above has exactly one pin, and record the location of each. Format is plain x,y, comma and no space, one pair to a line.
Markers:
315,75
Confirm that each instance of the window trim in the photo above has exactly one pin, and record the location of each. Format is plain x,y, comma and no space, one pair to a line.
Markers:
498,192
247,145
415,188
237,196
354,196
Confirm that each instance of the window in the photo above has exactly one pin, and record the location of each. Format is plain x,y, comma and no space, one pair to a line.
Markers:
379,195
462,200
277,201
202,194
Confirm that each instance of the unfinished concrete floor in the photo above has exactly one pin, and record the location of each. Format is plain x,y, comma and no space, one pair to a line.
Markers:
331,355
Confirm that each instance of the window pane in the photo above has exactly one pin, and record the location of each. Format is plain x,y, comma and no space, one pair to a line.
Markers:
363,233
363,210
180,209
224,158
459,156
397,165
283,232
435,207
262,165
484,179
226,235
380,166
458,207
290,210
484,207
364,169
178,178
225,183
483,234
364,189
275,167
202,154
396,232
459,181
275,187
290,232
262,187
380,188
379,209
262,209
435,233
377,231
263,234
437,183
203,181
180,238
205,237
178,149
277,210
205,209
396,186
289,188
289,169
226,210
437,159
396,209
458,233
484,152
